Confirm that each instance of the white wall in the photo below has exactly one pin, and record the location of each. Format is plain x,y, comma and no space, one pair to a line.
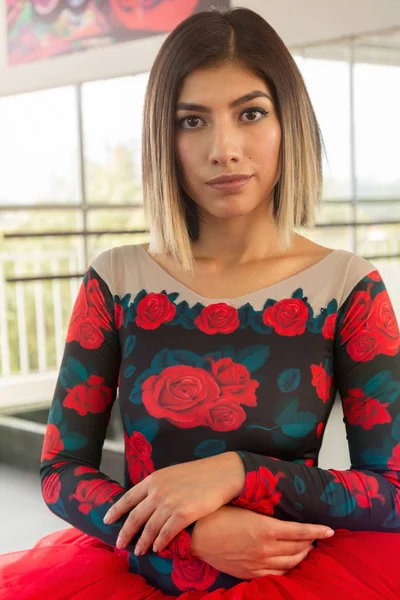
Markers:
297,21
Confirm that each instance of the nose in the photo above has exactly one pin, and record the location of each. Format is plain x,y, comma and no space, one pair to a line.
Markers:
225,146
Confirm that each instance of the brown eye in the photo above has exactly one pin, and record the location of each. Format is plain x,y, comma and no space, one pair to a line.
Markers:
253,113
192,122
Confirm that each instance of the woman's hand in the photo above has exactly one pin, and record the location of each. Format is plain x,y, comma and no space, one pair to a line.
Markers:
246,545
170,499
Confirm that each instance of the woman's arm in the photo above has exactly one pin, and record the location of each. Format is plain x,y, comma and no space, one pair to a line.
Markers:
367,374
73,487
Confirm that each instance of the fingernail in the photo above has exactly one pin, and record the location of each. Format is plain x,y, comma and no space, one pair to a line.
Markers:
329,533
155,548
106,519
138,551
120,543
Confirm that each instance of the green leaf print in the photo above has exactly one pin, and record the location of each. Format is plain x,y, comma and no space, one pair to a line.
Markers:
254,357
289,380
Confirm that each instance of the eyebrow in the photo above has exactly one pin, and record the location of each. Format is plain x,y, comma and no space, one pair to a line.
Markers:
241,100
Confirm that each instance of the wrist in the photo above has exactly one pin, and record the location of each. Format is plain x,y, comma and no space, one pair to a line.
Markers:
236,472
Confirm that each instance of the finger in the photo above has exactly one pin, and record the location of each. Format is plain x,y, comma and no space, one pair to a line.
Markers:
128,501
152,529
302,531
288,548
170,529
137,517
288,562
264,572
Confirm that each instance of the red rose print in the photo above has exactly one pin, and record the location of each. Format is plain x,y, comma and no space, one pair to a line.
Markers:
383,324
235,381
88,315
393,477
375,276
118,315
51,488
259,492
225,415
83,470
96,492
398,503
138,456
154,310
287,317
328,330
179,547
363,487
309,462
321,381
52,444
362,410
193,574
320,429
218,318
394,460
363,347
90,396
180,394
356,314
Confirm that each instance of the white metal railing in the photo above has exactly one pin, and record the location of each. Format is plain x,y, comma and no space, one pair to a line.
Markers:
33,315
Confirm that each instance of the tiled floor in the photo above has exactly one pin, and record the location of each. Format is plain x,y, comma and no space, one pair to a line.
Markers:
24,517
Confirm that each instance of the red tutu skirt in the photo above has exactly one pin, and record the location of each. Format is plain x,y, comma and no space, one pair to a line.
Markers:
70,565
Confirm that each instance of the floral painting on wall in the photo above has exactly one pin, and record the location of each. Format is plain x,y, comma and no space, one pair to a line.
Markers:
39,29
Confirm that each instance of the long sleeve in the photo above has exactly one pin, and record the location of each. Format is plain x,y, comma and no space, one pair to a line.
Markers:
73,487
366,372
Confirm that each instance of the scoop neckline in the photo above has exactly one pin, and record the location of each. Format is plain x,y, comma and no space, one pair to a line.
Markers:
236,299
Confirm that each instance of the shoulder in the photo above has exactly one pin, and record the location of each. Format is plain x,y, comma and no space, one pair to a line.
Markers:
350,270
119,268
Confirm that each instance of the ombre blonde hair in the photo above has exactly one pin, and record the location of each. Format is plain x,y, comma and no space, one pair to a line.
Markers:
208,39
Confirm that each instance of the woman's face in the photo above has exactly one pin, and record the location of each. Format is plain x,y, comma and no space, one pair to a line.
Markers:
232,129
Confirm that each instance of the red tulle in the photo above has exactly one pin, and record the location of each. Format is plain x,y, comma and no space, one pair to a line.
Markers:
70,565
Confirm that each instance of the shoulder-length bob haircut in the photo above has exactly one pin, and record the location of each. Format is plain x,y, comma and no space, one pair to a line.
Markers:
209,39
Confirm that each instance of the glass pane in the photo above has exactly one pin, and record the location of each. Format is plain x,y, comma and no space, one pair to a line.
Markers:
112,124
328,85
377,128
334,213
332,237
116,219
39,148
378,240
98,244
378,211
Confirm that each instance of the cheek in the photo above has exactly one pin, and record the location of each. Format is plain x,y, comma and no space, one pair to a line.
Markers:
187,155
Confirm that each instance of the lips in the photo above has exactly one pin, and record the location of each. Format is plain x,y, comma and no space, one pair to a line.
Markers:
228,179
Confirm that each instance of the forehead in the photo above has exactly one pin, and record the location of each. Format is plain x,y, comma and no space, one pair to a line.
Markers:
220,83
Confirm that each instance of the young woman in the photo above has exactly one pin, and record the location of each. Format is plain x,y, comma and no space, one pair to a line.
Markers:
228,338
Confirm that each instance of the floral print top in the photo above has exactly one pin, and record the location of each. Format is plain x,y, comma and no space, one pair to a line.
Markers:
256,374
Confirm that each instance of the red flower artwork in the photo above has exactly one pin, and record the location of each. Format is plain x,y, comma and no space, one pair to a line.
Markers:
153,310
382,322
93,493
193,574
138,456
328,330
235,380
52,444
362,487
394,460
189,396
287,317
218,318
370,327
118,315
91,396
321,381
360,409
89,316
259,491
51,488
